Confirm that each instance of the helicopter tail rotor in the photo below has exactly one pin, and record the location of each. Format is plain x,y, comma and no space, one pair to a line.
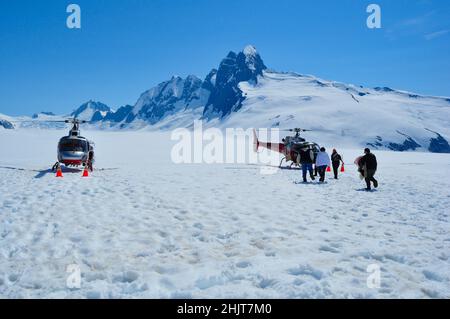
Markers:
255,141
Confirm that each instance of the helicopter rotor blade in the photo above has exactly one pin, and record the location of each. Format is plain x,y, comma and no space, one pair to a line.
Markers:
324,130
296,130
67,121
318,129
37,121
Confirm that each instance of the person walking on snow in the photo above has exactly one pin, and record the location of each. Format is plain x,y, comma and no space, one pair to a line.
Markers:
306,160
322,162
368,163
336,160
315,166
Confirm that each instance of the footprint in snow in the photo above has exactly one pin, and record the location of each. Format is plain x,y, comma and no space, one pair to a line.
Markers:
243,264
432,276
306,271
94,276
266,283
13,277
198,225
76,239
126,277
328,249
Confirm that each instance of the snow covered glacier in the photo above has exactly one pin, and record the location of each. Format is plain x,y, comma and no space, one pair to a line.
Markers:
143,227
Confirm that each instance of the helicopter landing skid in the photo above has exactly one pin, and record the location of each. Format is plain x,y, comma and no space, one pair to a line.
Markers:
293,165
284,158
56,166
89,166
291,168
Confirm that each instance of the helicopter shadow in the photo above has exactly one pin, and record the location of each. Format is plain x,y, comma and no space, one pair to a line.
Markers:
40,173
13,168
43,173
287,168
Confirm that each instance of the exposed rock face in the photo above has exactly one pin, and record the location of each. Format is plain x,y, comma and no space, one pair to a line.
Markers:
439,144
168,98
6,124
226,96
119,115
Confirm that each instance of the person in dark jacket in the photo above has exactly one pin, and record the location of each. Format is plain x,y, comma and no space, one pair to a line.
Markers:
316,172
307,160
368,163
336,160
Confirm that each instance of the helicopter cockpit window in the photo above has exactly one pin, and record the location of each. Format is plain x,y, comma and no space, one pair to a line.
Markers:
73,145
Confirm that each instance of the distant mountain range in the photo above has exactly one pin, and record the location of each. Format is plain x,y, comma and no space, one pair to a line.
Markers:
242,92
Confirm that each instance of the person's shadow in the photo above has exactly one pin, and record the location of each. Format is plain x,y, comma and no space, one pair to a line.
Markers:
366,191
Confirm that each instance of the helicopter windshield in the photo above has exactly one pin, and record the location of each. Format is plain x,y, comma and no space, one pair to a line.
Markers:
73,145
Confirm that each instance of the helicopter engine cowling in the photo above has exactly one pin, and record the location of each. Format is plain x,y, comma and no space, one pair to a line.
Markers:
72,158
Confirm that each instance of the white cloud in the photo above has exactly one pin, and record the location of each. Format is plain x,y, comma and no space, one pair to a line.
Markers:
434,35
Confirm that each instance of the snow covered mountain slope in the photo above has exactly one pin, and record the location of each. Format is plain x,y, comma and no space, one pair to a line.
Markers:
183,97
91,111
242,93
42,115
170,97
345,114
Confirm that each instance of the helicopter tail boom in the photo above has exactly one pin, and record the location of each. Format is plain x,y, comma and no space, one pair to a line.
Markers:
255,141
277,147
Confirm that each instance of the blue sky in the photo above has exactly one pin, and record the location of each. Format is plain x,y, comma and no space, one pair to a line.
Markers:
127,46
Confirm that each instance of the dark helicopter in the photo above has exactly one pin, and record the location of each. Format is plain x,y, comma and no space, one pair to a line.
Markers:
75,150
290,146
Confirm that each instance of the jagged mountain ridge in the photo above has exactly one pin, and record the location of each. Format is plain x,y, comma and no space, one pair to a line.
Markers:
218,94
226,96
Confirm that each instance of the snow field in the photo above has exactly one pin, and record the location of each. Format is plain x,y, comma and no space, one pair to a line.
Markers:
145,227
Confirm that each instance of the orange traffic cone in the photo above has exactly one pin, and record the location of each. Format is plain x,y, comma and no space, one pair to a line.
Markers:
328,169
59,172
85,172
342,168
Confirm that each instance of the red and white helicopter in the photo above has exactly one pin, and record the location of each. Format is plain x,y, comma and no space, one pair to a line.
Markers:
75,150
290,147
